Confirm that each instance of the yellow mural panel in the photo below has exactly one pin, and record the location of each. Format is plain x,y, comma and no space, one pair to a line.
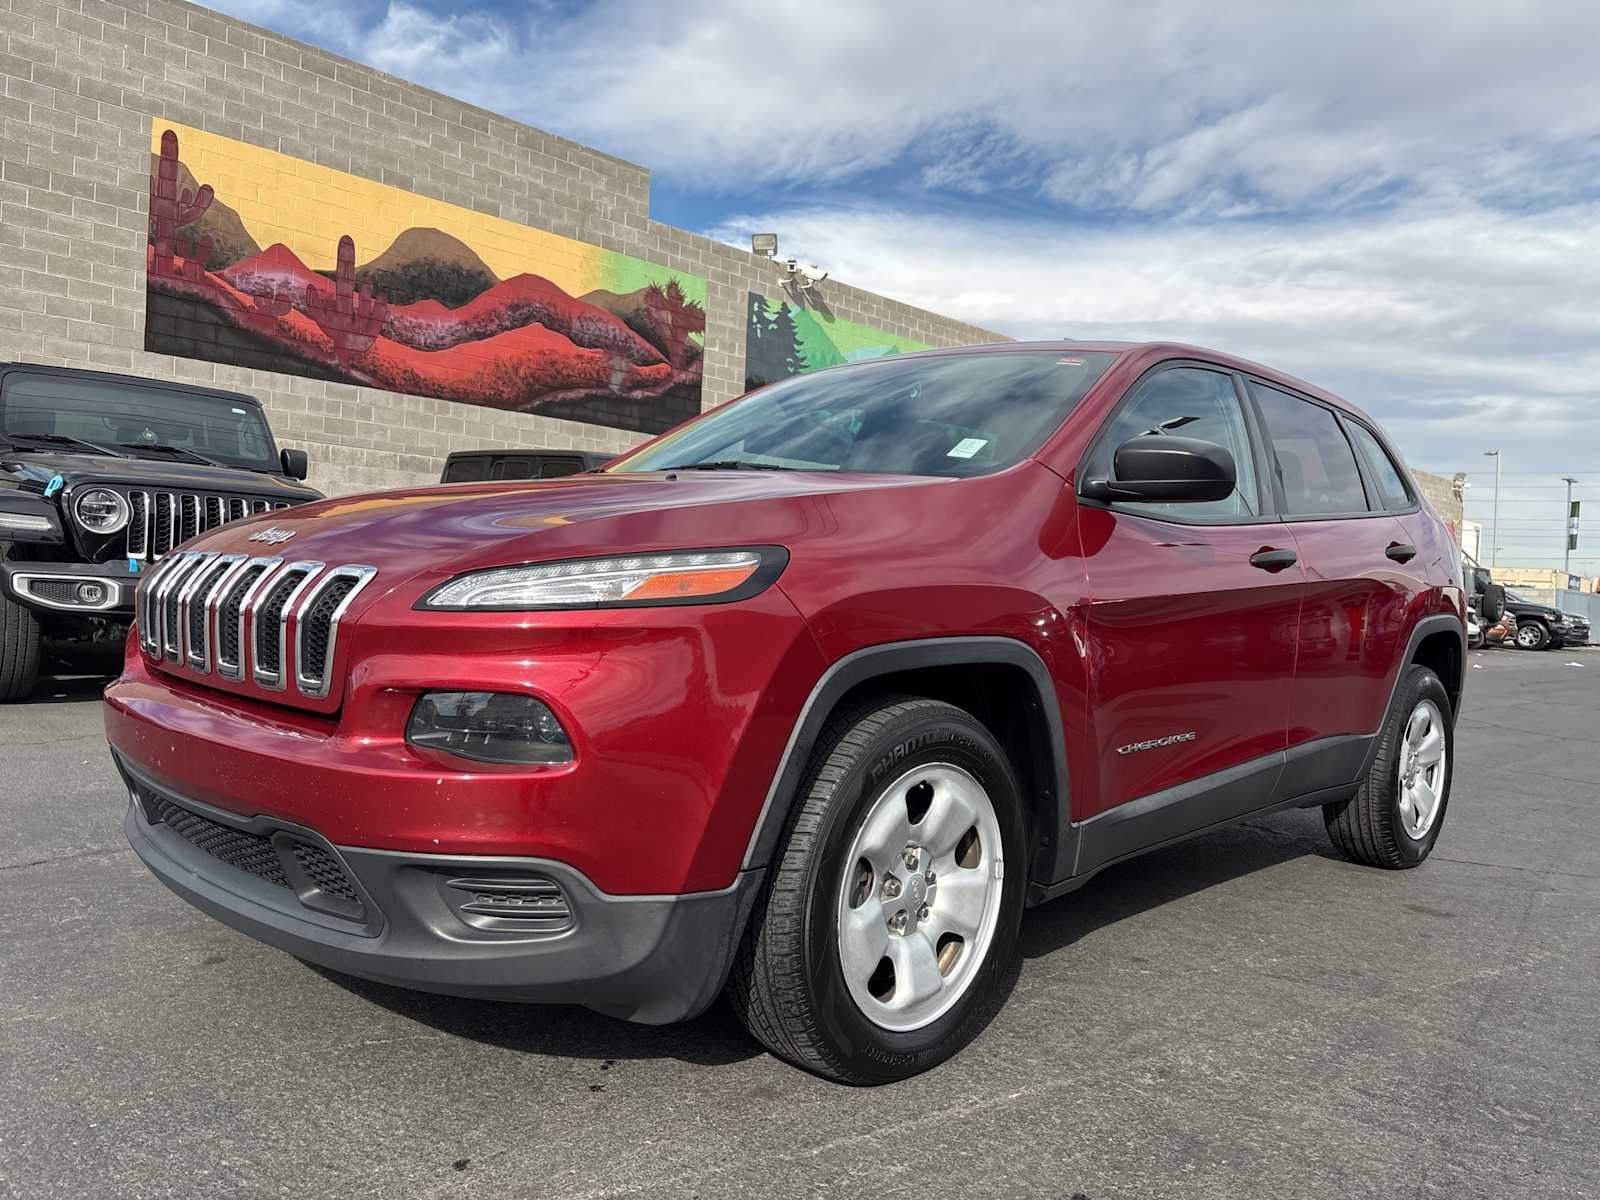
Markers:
262,259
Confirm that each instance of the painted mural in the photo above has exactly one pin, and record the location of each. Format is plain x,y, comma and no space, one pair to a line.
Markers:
262,260
783,339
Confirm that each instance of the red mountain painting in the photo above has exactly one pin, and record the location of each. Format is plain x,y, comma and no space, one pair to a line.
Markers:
425,316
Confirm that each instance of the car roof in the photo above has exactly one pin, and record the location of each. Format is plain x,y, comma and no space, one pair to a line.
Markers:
171,385
1148,354
520,451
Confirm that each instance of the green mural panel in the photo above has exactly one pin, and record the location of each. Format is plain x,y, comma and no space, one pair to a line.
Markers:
783,339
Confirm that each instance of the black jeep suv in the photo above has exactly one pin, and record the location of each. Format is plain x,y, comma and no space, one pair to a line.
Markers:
1541,627
100,476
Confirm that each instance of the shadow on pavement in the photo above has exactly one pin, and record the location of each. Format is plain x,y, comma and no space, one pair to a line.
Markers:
713,1039
67,689
1163,876
717,1039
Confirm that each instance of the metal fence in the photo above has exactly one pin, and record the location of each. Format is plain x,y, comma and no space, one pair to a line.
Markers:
1583,604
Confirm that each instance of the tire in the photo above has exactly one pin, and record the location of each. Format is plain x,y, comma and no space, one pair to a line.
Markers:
789,983
1492,605
1532,635
1378,826
19,651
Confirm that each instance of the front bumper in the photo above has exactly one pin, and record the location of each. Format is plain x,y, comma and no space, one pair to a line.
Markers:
418,920
51,589
1571,633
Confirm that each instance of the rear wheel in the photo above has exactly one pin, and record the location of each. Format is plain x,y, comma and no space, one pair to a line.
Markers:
1532,635
1394,818
19,650
880,944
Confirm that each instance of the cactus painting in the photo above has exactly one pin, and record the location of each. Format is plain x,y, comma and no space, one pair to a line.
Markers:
262,266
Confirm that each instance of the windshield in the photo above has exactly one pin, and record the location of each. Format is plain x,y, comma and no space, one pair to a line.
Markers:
137,419
956,415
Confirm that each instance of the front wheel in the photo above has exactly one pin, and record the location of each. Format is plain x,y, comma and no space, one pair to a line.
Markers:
19,650
1532,635
880,945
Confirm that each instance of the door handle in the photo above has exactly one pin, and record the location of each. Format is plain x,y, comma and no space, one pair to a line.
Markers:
1401,552
1269,559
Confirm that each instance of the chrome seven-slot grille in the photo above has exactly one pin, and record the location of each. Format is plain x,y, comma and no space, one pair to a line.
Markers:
158,521
230,614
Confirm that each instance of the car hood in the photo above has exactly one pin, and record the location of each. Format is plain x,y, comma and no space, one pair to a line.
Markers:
40,467
1527,609
446,529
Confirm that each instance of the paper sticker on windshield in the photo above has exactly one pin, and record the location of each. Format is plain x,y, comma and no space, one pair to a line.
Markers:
240,412
1069,362
967,447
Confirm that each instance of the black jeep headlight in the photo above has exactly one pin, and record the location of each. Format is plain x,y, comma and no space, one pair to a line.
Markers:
100,510
493,727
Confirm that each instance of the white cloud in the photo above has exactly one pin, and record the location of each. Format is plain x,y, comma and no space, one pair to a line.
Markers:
1449,326
1158,107
1395,201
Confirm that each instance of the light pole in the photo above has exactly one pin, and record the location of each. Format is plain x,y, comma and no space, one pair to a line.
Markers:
1566,530
1494,540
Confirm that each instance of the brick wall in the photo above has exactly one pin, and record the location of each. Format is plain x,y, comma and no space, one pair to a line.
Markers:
1444,497
83,79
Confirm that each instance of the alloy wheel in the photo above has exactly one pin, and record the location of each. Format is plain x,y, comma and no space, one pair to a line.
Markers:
920,897
1422,769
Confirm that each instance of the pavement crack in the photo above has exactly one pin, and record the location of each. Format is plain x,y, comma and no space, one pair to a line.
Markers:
1547,871
103,852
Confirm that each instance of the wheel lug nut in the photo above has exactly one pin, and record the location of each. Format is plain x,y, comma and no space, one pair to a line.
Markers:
910,857
891,887
897,923
922,913
932,879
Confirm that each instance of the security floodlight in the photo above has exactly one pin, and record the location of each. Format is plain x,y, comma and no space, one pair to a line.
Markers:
764,244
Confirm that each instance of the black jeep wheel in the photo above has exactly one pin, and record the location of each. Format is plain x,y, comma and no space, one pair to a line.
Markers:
19,650
1532,635
881,942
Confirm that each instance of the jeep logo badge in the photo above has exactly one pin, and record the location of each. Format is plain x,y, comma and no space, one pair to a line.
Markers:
272,535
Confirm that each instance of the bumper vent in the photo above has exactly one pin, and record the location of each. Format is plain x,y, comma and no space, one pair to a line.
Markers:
248,618
314,873
510,903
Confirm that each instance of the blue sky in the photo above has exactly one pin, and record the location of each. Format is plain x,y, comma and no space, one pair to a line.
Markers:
1397,201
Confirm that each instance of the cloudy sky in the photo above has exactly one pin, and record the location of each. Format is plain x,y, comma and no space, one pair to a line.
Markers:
1398,201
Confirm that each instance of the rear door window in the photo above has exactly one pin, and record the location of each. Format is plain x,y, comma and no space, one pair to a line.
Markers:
467,470
554,468
1391,485
1315,462
513,468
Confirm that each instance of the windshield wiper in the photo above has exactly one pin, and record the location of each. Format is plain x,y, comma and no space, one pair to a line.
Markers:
199,458
58,439
729,464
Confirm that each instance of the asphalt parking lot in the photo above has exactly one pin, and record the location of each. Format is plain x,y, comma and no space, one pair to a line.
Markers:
1244,1015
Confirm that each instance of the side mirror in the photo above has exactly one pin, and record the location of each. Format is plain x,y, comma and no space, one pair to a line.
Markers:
295,463
1165,469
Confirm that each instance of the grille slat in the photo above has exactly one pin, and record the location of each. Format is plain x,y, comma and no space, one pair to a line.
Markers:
239,616
158,522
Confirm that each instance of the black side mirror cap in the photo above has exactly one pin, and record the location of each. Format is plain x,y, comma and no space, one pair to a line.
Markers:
295,463
1160,468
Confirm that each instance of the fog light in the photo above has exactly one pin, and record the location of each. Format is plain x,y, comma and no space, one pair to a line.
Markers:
493,727
91,595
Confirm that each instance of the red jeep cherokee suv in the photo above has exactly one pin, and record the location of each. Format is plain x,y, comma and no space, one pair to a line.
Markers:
806,699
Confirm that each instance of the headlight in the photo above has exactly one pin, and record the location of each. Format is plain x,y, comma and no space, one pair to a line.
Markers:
100,510
689,577
493,727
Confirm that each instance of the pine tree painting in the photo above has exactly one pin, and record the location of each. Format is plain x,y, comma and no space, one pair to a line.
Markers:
782,340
